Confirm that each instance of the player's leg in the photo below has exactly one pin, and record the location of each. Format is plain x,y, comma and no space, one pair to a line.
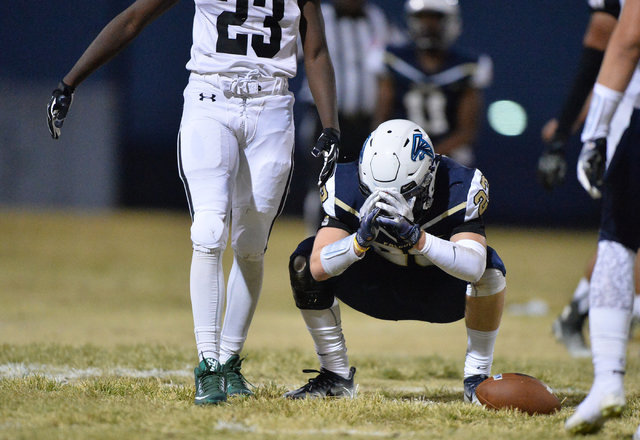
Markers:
208,160
483,312
567,328
264,173
611,302
612,285
321,314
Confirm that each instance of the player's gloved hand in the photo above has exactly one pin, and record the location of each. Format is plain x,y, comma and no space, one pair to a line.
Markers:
368,230
591,166
58,107
327,145
405,231
552,165
394,204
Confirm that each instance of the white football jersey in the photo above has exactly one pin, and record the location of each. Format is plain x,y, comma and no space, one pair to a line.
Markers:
237,36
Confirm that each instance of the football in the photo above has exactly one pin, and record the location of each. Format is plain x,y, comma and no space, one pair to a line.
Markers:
517,391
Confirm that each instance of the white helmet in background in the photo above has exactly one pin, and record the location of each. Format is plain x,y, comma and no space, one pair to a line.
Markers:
429,38
398,154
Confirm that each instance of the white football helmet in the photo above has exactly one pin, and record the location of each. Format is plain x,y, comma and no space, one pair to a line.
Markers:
399,154
423,35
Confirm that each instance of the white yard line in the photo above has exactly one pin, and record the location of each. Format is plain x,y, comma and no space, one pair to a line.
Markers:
64,373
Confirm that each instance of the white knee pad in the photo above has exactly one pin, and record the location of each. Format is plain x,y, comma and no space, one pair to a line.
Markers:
491,282
208,231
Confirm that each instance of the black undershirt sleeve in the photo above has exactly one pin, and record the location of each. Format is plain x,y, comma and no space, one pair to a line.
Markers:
582,84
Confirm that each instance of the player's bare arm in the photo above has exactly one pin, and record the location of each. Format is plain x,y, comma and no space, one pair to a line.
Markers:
467,125
115,36
317,63
112,39
623,52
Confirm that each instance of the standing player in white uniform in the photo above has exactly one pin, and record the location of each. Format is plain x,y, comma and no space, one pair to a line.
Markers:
235,150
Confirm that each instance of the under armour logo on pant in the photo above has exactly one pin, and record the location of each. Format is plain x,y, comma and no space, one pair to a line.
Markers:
212,97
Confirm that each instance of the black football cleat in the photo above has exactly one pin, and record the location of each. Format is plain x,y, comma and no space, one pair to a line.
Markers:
325,384
470,385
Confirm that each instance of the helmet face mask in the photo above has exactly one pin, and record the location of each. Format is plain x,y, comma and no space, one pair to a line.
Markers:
433,24
398,155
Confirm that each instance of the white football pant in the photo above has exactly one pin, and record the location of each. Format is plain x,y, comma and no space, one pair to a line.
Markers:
235,154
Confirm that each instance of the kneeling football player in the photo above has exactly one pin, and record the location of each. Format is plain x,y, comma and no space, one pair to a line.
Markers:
403,238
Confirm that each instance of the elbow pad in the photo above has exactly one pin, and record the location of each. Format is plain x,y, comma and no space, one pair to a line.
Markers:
464,259
337,256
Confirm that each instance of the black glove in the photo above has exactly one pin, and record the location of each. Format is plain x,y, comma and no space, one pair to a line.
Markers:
58,107
591,166
368,230
327,145
552,165
406,232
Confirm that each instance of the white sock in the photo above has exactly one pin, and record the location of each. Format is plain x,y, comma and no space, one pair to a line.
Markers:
581,295
479,352
325,328
243,292
206,285
611,302
609,330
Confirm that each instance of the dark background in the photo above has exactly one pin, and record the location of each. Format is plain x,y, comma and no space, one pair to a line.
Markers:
534,47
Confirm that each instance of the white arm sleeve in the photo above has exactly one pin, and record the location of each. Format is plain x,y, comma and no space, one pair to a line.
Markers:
464,259
603,105
337,256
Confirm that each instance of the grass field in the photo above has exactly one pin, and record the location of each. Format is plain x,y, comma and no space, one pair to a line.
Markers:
97,342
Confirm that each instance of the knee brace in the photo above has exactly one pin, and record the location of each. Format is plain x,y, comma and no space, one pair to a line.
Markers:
208,231
308,293
492,282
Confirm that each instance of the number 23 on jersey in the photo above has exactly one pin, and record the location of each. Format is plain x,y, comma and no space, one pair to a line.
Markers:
239,44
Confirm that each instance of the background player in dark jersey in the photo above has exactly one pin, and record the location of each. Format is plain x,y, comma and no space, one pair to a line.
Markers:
432,83
403,238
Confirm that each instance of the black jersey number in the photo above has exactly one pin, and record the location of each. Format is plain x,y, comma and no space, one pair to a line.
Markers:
238,45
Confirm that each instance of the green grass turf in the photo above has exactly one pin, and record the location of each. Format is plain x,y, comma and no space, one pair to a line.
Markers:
97,341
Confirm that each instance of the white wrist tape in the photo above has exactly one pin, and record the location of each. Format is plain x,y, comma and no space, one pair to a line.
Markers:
464,259
603,105
337,256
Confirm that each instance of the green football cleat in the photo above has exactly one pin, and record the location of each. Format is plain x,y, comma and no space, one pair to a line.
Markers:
210,383
236,384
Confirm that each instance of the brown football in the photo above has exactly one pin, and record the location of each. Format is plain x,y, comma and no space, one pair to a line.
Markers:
517,391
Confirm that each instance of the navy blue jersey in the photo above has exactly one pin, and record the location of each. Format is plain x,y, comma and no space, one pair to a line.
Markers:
461,196
432,100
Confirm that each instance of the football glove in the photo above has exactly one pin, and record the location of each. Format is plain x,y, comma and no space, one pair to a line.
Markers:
591,166
393,204
552,165
58,107
327,145
368,230
405,231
